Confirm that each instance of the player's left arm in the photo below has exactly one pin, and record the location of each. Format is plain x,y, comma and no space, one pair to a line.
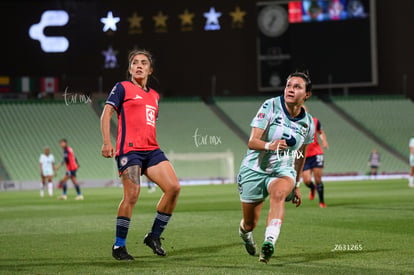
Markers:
322,136
299,163
412,150
54,168
60,164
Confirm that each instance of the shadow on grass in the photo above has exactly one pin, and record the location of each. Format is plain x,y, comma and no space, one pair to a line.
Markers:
186,254
193,258
296,261
298,258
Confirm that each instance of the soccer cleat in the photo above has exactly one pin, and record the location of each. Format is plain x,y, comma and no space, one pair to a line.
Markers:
248,242
154,244
63,197
322,205
121,254
312,193
266,252
79,198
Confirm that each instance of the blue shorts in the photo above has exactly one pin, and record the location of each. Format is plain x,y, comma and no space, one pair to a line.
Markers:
71,173
143,159
313,162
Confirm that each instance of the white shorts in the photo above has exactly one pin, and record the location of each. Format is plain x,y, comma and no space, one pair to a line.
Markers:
47,172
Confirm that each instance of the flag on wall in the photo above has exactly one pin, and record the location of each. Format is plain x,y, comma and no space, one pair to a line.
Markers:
25,84
49,84
4,84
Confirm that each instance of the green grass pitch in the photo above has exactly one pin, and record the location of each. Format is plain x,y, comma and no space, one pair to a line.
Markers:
367,228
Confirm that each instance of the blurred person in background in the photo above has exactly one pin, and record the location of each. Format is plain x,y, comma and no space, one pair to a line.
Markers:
314,164
47,171
411,176
72,166
374,162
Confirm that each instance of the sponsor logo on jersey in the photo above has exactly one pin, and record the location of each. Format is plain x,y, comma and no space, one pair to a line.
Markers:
150,113
290,140
261,115
137,97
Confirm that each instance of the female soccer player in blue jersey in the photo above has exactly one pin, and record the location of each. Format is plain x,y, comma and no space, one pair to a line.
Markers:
280,133
137,151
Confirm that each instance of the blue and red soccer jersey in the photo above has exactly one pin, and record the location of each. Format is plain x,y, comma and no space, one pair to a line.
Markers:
314,148
69,159
137,111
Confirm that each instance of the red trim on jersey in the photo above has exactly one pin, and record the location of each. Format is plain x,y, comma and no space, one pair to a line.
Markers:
314,148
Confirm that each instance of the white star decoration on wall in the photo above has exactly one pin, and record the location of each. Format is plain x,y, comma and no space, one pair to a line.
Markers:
212,22
110,22
111,61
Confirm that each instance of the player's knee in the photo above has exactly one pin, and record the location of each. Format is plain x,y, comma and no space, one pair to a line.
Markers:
249,225
174,190
278,195
131,199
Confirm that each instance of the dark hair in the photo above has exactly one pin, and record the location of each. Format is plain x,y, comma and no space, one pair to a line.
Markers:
135,52
304,74
64,140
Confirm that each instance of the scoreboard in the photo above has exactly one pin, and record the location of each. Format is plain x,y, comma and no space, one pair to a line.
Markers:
335,40
200,48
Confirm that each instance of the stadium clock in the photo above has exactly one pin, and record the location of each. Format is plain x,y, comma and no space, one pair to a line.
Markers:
273,20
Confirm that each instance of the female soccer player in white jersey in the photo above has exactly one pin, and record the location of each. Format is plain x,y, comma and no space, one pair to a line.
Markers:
47,170
281,131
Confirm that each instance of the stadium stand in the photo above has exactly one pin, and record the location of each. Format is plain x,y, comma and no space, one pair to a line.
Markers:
349,148
189,126
389,118
27,127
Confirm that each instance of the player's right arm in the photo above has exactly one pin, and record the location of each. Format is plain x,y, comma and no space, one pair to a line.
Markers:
41,169
256,143
259,124
107,148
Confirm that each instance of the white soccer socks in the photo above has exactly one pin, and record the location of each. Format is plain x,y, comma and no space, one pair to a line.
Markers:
42,192
50,188
273,231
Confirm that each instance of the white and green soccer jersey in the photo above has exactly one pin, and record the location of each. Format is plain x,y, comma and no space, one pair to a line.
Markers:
277,124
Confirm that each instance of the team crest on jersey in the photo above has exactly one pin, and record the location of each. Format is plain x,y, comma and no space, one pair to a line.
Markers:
303,131
124,161
261,115
150,113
